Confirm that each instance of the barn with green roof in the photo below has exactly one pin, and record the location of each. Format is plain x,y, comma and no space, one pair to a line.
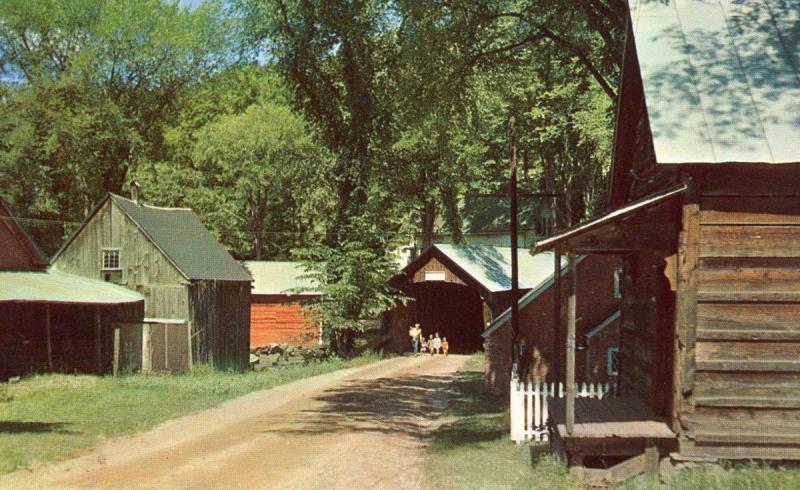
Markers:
183,272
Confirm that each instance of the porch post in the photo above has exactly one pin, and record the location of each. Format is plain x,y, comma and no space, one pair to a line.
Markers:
557,332
570,381
97,343
49,337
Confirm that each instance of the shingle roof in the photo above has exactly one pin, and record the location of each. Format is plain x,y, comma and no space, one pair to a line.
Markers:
721,79
491,266
59,287
187,243
273,277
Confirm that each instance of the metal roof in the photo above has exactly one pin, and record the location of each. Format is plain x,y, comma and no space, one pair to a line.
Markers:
609,217
273,277
491,266
531,295
721,79
52,286
188,244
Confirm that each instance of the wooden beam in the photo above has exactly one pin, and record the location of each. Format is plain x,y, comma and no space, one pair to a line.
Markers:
115,367
686,308
557,332
570,344
98,330
49,337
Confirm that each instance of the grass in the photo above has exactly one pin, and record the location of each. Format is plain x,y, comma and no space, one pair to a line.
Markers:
52,417
473,450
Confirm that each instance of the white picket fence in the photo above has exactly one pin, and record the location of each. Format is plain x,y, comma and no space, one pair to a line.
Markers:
529,409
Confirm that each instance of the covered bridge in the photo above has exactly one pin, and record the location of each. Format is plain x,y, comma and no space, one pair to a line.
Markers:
457,290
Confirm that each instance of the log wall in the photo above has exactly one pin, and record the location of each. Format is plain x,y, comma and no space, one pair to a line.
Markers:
741,382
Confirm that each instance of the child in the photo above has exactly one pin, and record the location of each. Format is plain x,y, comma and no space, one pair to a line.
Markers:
437,343
430,344
424,346
445,346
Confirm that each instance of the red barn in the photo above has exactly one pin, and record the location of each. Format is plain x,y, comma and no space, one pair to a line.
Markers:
277,308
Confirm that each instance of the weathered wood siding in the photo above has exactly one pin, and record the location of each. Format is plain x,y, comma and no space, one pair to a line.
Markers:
144,267
281,319
434,265
743,381
220,317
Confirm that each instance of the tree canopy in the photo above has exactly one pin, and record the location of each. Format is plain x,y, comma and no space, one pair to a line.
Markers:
336,132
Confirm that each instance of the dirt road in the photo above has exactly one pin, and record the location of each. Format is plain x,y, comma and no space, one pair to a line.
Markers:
359,428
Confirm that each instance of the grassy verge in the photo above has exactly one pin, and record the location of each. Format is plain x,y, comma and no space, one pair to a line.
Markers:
52,417
473,450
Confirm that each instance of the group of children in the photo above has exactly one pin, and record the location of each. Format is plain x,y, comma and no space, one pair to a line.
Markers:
433,344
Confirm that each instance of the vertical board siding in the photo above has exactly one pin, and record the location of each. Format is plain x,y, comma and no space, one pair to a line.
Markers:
142,263
746,388
220,316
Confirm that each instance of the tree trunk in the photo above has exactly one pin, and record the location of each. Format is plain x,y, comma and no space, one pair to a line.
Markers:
428,221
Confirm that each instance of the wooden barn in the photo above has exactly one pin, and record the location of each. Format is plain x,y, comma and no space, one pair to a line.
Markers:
457,290
49,320
169,257
277,305
705,211
543,333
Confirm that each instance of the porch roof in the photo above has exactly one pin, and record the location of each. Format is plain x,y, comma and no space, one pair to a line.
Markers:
58,287
605,228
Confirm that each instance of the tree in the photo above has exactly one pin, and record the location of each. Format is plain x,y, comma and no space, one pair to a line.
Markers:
335,57
97,82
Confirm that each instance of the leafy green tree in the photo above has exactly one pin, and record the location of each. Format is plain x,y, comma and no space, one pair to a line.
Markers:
96,83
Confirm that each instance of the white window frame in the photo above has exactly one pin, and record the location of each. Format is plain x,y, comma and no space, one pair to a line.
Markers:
103,259
618,283
610,361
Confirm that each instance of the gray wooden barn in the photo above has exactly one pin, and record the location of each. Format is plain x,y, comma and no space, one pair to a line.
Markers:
167,255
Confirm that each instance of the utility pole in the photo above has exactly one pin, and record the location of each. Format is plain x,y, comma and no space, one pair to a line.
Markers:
512,136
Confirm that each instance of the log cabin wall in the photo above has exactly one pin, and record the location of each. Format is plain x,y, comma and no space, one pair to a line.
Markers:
741,387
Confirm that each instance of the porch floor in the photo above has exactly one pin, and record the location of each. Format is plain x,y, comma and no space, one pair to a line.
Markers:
626,418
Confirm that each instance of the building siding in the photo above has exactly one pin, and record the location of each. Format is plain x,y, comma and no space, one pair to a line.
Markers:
281,319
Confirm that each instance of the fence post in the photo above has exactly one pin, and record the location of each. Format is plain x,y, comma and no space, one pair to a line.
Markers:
516,412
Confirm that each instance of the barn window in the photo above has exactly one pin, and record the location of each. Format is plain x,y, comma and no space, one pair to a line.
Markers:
618,283
111,260
612,361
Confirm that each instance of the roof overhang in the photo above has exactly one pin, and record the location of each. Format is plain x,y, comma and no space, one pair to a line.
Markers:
61,288
638,225
406,275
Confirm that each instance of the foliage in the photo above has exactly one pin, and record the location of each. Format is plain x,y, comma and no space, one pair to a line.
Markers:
64,414
95,83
